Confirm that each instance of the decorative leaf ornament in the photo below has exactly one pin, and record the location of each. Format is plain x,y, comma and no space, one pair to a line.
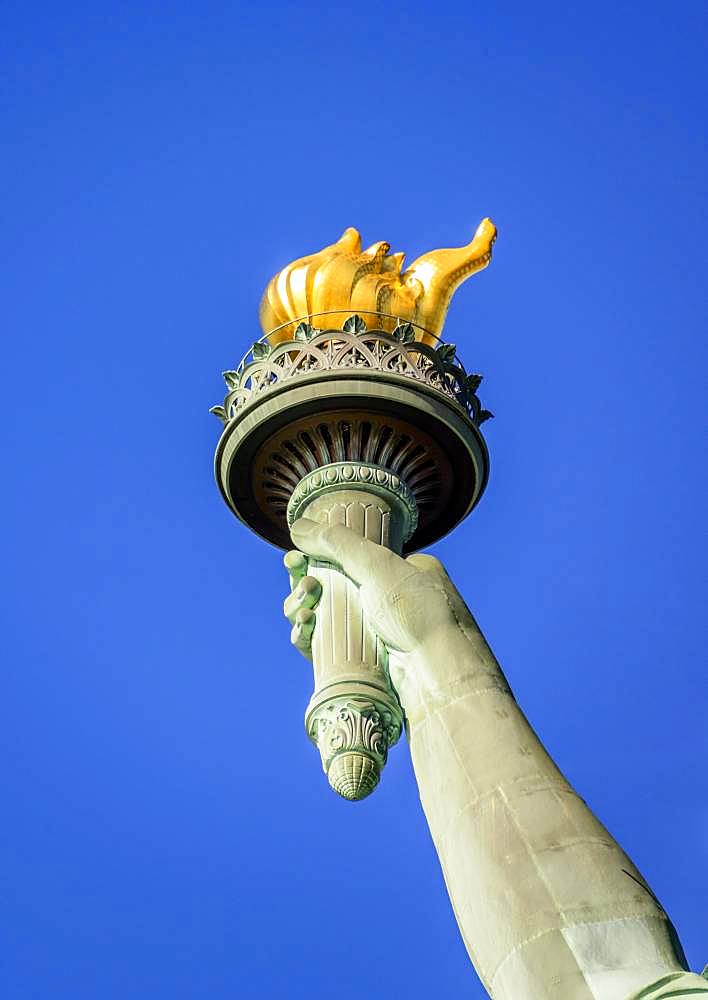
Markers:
355,324
231,379
219,412
304,332
447,352
404,332
261,349
473,382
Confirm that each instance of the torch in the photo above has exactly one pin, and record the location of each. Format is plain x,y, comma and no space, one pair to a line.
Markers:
351,410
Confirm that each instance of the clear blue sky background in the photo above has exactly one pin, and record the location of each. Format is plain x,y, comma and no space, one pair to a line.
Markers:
167,831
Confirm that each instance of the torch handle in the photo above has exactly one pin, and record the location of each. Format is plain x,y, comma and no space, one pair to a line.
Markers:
354,714
343,643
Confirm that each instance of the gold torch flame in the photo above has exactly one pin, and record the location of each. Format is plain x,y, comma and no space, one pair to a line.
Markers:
343,277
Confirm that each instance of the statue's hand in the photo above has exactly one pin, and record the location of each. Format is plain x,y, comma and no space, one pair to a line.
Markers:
406,600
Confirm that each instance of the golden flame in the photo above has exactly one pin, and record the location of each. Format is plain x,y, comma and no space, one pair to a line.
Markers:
343,277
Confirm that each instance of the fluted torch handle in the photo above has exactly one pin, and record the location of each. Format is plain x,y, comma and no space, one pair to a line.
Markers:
354,714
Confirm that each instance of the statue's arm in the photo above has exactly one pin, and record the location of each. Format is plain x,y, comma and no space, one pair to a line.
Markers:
548,904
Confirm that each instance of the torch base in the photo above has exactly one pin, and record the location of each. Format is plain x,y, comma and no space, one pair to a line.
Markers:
405,428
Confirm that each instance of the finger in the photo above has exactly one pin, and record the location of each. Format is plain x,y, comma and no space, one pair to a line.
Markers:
306,595
296,564
359,558
301,632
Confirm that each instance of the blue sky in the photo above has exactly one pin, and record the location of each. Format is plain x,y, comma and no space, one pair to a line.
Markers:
167,830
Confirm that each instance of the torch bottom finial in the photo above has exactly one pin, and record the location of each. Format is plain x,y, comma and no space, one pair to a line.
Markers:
353,775
353,732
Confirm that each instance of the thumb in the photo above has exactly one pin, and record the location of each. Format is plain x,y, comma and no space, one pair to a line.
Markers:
358,557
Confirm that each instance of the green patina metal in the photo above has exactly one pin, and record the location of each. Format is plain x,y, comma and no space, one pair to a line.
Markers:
374,479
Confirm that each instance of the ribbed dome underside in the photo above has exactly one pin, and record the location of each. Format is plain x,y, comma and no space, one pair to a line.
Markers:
353,775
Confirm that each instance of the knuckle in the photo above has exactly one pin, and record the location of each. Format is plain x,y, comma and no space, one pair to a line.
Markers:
423,561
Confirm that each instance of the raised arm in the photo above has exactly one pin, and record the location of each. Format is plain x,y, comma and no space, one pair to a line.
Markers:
548,904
